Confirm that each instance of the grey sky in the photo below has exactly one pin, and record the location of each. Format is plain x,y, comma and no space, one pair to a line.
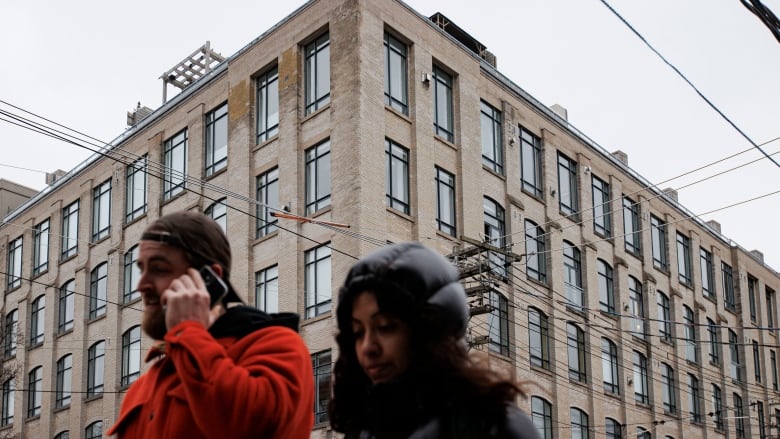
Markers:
85,63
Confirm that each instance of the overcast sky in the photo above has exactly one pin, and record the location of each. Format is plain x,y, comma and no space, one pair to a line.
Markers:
85,63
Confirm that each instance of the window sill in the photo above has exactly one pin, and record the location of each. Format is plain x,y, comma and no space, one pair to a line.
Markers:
32,346
493,172
446,236
400,214
94,397
136,219
399,113
96,318
64,333
39,274
536,196
445,141
32,418
265,142
614,395
667,342
315,319
62,409
130,302
265,237
315,113
216,173
321,211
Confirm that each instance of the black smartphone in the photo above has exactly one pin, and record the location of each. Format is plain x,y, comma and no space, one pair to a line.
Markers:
214,285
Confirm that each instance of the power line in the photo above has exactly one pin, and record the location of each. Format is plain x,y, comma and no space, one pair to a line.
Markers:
679,73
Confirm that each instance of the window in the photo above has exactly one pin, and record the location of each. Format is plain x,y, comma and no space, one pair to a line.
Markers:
684,270
396,86
572,276
35,392
707,276
761,425
631,226
442,103
131,355
757,361
66,306
567,185
397,176
729,300
641,433
445,201
770,308
14,272
739,415
267,201
531,163
218,212
216,139
541,414
606,287
576,351
694,399
318,177
317,281
492,146
602,213
717,407
132,276
267,289
95,368
135,198
11,333
321,364
37,320
579,424
658,238
495,235
668,389
609,366
713,330
539,338
641,391
752,291
773,363
498,324
535,252
40,247
637,307
317,73
64,380
101,211
736,365
267,105
175,164
7,417
63,435
97,291
664,317
70,230
94,430
613,429
689,335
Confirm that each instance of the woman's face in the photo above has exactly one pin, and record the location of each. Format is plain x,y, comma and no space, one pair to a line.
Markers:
381,341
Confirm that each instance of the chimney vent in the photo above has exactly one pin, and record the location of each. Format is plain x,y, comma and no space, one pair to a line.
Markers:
621,156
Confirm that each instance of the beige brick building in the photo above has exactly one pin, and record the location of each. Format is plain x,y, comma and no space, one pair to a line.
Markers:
630,317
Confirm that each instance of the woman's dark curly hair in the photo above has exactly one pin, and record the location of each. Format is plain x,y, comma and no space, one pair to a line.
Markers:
421,288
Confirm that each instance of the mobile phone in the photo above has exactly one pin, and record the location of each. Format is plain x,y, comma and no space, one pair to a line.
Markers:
214,285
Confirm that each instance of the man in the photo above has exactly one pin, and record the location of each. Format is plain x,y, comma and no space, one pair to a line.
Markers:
222,371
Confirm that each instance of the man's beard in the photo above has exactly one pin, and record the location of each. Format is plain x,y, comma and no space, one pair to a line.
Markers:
153,323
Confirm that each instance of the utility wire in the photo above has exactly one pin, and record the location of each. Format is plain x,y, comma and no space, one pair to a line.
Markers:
765,15
679,73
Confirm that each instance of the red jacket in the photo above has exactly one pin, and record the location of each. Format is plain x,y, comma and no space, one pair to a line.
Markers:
257,385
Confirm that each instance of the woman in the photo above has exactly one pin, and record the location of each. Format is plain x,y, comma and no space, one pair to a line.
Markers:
403,369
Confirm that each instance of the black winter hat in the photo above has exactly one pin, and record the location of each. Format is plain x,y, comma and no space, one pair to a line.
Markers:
411,281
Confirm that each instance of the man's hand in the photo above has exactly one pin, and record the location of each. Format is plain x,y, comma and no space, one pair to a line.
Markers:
186,298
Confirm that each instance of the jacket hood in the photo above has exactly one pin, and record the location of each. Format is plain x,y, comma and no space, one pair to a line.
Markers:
241,320
411,281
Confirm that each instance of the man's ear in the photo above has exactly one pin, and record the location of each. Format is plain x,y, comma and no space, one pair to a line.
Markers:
217,269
